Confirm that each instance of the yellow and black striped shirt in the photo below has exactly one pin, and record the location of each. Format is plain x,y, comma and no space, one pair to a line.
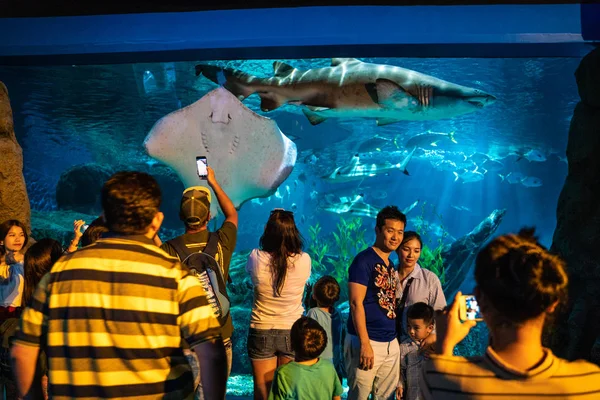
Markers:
112,317
490,378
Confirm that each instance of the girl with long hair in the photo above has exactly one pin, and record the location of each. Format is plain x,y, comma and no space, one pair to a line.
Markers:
279,270
13,239
39,259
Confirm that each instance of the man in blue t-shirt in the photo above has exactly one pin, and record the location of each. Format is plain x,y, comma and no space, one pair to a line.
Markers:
371,351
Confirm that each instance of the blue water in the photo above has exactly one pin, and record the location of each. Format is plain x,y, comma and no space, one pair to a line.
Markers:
71,115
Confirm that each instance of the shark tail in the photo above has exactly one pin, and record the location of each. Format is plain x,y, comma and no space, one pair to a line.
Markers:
451,136
456,175
236,81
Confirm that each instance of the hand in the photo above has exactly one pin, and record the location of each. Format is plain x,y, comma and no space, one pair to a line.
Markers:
399,392
428,345
210,176
450,330
367,357
77,224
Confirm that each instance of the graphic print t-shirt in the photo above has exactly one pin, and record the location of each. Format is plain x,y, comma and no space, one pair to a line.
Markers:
368,269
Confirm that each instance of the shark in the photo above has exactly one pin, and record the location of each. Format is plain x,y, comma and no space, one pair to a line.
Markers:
250,155
357,171
350,88
359,208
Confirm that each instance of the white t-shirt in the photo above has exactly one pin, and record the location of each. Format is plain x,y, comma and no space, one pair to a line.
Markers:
268,311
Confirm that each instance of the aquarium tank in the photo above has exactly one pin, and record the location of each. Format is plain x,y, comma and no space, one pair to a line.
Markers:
469,147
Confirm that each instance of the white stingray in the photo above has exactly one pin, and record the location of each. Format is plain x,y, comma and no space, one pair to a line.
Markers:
249,153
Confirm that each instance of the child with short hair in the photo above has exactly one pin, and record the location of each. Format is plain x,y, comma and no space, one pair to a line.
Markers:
326,292
419,325
308,376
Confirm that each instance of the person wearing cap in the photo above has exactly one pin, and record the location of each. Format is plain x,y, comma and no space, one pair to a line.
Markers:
195,214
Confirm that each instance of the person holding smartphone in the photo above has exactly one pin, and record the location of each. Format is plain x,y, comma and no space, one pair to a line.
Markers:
195,214
519,285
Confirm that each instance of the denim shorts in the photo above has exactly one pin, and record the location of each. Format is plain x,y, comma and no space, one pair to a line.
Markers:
265,344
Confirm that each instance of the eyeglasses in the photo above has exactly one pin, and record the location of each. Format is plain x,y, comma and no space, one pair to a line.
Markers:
282,210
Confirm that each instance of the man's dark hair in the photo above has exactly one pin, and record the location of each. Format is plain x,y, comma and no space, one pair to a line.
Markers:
130,201
326,291
422,311
389,212
309,339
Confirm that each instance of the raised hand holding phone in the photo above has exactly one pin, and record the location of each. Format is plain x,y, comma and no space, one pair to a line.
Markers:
201,167
450,329
469,309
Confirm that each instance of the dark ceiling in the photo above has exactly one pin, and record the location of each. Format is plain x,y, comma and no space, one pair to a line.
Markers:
47,8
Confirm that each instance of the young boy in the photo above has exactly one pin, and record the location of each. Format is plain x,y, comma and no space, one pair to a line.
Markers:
420,325
326,292
308,377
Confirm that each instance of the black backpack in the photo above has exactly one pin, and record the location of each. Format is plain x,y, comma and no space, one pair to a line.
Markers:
208,271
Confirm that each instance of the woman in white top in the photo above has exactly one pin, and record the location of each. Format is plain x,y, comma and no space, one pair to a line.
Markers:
279,271
13,238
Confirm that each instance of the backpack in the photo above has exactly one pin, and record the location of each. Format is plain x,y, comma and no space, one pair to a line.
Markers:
206,269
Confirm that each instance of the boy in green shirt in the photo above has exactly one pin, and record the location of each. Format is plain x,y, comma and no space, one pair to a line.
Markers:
308,377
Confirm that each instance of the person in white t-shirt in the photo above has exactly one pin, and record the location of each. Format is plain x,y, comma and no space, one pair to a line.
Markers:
279,270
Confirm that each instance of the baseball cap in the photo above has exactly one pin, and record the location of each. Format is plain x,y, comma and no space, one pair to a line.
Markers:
195,205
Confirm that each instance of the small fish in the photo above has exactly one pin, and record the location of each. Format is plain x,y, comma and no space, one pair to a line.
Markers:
302,177
532,155
460,208
376,143
410,208
314,195
493,165
429,138
294,207
311,160
257,201
278,194
469,176
479,158
531,181
512,177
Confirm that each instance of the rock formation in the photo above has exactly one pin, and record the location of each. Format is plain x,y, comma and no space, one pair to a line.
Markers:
14,202
577,234
78,188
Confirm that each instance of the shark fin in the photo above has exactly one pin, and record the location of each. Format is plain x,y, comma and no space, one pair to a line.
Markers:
339,61
501,177
281,69
313,117
405,172
456,175
269,103
232,80
434,144
386,121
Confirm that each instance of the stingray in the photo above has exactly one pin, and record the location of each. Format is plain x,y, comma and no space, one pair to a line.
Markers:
250,155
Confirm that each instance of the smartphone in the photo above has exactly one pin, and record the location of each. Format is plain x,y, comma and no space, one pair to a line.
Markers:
201,167
469,309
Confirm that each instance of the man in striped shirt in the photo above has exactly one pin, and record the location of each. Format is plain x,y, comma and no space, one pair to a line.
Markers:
112,316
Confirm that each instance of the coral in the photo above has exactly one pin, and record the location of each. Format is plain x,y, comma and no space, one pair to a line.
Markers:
333,254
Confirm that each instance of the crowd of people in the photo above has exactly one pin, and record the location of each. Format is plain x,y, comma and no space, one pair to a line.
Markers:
120,314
